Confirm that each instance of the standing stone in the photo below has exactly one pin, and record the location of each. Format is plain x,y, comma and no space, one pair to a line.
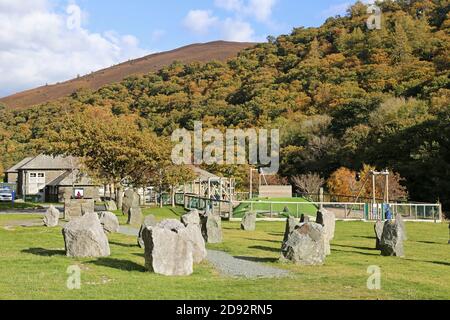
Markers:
167,251
305,245
379,226
109,221
75,208
130,200
328,220
149,221
304,219
249,221
111,205
192,217
401,222
84,238
211,226
291,224
135,216
392,240
193,234
51,217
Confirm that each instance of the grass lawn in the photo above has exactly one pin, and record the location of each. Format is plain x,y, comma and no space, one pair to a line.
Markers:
18,206
308,209
33,266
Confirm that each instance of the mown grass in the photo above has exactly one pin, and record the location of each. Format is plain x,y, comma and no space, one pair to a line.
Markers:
294,209
18,206
33,266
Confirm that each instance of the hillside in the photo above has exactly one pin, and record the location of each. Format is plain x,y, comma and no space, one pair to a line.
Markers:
219,50
342,96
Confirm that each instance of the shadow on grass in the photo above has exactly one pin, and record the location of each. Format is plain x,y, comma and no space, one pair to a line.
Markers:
256,259
276,234
442,263
357,252
124,245
263,240
124,265
365,237
355,247
263,248
44,252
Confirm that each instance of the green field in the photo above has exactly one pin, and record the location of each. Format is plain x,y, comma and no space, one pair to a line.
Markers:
308,209
33,266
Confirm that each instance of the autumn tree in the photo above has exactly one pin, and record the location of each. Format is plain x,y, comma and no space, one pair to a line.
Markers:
308,183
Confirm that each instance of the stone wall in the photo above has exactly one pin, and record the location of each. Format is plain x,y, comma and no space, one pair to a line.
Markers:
74,208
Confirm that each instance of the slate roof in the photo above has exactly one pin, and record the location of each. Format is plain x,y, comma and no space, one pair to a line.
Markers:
68,179
14,168
43,162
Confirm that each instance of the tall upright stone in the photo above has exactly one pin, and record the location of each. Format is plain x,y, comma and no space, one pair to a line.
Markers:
135,216
304,218
84,237
249,222
392,240
130,200
328,220
211,226
149,221
193,217
167,250
51,217
110,205
379,226
291,224
109,221
305,245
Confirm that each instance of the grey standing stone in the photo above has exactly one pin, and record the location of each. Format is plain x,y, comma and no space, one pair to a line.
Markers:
211,226
392,240
379,226
401,222
249,221
84,238
291,224
193,234
51,217
111,205
149,221
192,217
305,245
167,251
328,220
135,216
109,221
130,200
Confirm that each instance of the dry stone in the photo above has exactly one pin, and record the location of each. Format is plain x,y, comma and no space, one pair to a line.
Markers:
304,219
135,216
211,226
328,220
401,222
130,200
291,224
249,221
193,234
111,205
149,221
305,245
192,217
392,240
167,250
379,226
109,221
51,217
84,237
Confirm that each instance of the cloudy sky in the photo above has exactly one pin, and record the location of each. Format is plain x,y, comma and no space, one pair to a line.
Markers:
46,41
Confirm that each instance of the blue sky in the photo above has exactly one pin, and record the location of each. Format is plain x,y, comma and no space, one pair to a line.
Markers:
48,41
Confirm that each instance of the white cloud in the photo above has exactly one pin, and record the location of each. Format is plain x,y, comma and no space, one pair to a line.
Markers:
236,30
261,10
38,46
157,35
336,9
200,21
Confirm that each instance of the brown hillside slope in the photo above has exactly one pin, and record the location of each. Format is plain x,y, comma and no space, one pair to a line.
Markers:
218,50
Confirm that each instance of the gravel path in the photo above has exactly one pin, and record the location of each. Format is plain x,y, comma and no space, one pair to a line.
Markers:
238,267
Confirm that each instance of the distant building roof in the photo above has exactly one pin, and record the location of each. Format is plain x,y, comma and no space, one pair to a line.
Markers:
76,178
43,162
14,168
